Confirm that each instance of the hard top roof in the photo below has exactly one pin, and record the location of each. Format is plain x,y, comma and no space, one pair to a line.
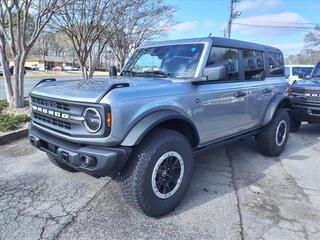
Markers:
218,41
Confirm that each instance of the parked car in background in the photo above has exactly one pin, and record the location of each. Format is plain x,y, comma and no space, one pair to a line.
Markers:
38,67
70,68
11,70
57,68
172,99
297,72
305,97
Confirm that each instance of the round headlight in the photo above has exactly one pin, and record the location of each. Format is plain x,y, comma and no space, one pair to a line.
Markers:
92,120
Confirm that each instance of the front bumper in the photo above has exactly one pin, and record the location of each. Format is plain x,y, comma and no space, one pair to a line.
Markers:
308,111
105,161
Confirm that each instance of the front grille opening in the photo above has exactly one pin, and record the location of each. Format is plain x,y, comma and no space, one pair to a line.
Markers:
50,103
316,112
48,146
44,144
62,106
52,121
313,99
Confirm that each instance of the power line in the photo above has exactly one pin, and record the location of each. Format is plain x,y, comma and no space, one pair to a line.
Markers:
274,26
275,22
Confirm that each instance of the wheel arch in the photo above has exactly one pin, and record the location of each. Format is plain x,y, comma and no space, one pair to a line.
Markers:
278,101
162,119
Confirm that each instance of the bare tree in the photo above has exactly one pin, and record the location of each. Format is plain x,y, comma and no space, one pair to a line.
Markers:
313,38
311,52
96,51
53,44
142,20
18,19
84,22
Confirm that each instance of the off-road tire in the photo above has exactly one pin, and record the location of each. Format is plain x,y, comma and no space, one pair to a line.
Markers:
266,140
60,164
295,122
135,180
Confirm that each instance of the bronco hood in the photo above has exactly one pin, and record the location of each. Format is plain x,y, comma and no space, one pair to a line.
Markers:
90,90
309,83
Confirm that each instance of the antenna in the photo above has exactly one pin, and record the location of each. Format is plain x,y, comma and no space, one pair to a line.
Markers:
210,34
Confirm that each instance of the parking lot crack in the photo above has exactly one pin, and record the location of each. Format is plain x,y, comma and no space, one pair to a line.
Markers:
235,188
72,220
299,188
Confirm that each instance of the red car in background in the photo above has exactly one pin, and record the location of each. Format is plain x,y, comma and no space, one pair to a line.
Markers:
57,68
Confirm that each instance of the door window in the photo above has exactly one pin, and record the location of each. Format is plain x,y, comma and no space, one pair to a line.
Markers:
228,57
253,65
275,62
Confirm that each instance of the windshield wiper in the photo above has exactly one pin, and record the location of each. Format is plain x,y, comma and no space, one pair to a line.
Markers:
157,72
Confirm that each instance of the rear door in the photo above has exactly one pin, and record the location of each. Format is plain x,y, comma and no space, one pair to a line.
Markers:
260,68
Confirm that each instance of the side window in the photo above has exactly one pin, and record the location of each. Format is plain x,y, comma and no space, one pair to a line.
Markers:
275,63
253,65
228,57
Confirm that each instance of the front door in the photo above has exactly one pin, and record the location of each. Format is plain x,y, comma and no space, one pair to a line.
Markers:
224,102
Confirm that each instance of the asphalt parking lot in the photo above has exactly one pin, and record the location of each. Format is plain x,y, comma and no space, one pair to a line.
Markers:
235,194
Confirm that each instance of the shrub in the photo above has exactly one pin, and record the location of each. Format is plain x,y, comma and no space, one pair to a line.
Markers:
26,102
3,104
11,121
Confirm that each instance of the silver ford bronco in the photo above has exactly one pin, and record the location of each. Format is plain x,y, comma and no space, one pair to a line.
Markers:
172,99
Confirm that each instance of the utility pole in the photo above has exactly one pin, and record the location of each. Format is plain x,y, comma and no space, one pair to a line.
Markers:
233,15
44,52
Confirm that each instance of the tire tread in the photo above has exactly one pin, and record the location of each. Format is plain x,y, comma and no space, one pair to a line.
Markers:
131,179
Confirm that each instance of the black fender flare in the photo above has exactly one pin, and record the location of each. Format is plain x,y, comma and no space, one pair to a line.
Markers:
143,127
277,101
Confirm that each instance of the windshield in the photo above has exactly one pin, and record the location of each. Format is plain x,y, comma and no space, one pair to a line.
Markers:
316,72
165,61
305,71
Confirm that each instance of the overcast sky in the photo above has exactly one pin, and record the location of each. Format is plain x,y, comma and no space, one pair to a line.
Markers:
199,18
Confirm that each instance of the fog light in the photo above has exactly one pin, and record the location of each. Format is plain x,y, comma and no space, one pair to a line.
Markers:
86,161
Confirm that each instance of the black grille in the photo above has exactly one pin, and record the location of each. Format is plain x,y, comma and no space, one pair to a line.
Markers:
50,103
51,120
313,98
316,112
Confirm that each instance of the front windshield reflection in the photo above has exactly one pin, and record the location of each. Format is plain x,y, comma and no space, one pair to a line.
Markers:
165,61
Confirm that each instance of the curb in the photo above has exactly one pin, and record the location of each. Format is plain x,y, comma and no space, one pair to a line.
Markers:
12,136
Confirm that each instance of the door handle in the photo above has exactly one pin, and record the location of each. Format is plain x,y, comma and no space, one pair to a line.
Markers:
240,94
267,90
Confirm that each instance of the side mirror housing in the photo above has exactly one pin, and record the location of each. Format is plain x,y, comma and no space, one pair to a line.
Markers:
113,71
302,75
215,72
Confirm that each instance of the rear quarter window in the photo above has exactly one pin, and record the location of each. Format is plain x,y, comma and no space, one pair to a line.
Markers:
275,64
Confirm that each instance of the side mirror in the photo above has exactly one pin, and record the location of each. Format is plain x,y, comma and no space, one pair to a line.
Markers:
302,75
113,71
215,72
